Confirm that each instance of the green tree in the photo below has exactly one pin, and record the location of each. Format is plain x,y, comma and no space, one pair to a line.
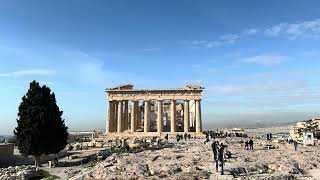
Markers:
41,129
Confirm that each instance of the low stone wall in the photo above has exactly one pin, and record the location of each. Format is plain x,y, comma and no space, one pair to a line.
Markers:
6,149
18,160
13,160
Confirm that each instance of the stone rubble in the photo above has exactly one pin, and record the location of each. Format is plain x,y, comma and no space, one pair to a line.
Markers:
17,172
187,160
282,162
193,160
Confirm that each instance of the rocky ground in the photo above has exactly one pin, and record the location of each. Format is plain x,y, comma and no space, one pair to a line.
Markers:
279,163
17,172
186,160
192,159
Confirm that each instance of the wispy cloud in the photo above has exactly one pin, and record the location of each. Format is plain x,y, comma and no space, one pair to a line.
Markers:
89,69
38,72
194,81
149,49
304,29
222,40
228,89
311,53
266,59
265,88
202,68
250,31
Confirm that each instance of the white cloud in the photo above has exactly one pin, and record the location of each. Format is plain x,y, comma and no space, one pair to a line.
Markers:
305,29
222,40
194,81
28,72
266,59
89,69
311,53
228,89
150,49
250,31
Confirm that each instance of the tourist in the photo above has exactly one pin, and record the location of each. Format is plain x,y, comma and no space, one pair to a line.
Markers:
214,147
246,146
221,146
167,137
295,144
251,144
220,157
268,138
189,136
185,136
207,140
207,136
228,153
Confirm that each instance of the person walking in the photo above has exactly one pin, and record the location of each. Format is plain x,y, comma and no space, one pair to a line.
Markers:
246,145
251,144
221,157
295,144
214,147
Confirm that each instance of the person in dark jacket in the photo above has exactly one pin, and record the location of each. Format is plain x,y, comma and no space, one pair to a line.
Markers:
246,146
214,147
295,144
251,144
221,157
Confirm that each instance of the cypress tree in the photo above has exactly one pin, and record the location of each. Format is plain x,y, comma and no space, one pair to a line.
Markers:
41,129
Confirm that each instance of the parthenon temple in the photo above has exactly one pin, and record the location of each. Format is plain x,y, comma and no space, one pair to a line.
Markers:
153,111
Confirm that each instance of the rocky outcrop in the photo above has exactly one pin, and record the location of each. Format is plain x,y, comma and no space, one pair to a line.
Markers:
17,172
185,160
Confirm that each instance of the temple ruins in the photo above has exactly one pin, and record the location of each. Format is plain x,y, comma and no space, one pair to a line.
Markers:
153,111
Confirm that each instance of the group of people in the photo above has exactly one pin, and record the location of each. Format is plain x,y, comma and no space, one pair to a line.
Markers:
248,145
185,136
218,155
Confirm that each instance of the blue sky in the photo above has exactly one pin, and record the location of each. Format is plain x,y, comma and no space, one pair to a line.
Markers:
259,61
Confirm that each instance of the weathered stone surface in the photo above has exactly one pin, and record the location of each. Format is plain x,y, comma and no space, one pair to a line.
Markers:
155,164
17,172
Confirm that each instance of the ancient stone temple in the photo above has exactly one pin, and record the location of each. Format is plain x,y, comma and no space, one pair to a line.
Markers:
153,111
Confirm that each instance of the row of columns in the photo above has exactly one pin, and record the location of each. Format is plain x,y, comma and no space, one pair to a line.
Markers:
118,116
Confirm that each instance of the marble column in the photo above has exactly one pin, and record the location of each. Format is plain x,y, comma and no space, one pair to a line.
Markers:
186,116
133,115
125,116
159,117
198,117
115,117
119,124
173,116
146,116
110,123
138,115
